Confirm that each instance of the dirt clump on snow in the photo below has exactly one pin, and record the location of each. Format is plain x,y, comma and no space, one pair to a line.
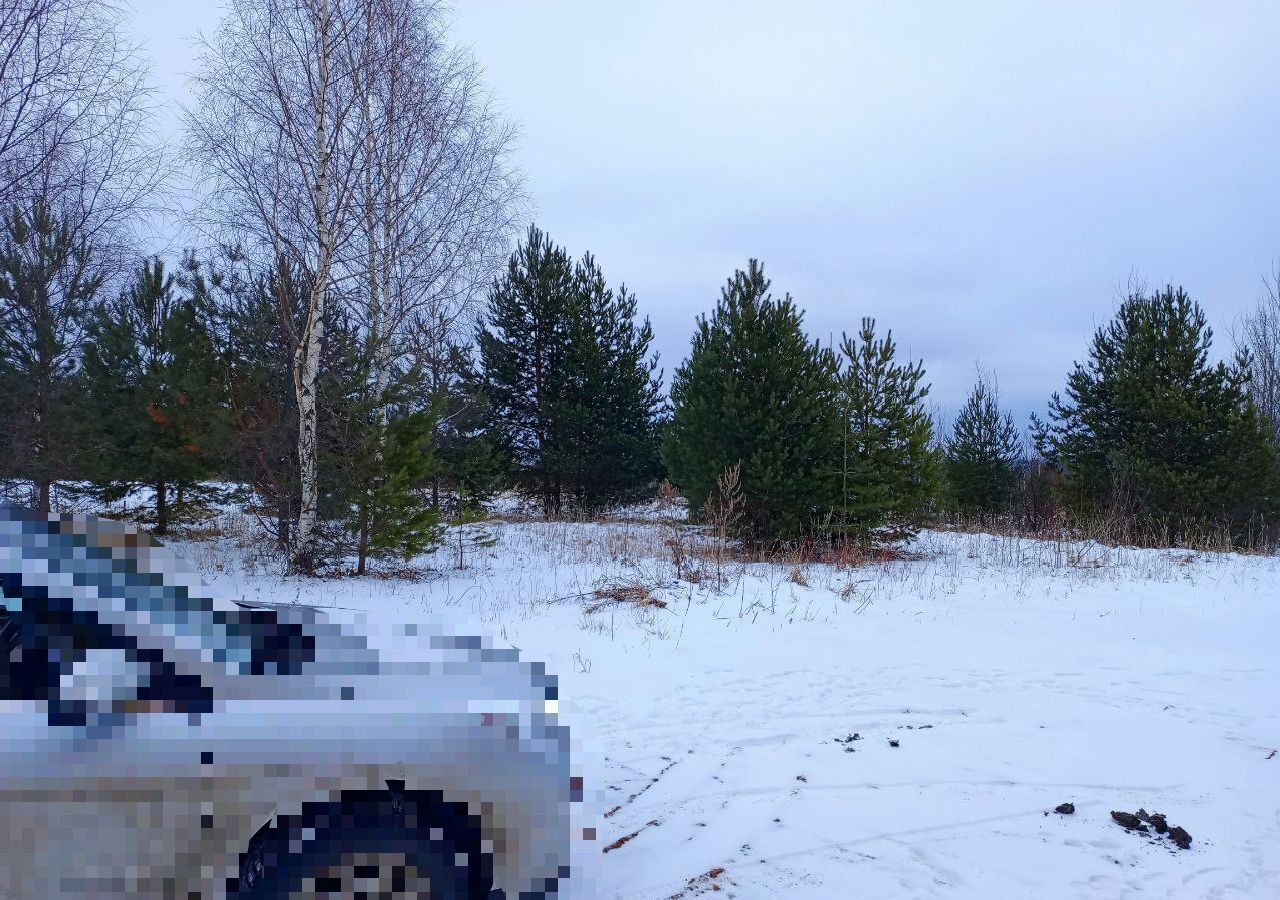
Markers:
700,884
628,838
1066,809
1128,820
846,741
1155,820
1158,823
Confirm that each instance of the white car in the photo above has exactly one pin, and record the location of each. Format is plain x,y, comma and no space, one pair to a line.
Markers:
158,742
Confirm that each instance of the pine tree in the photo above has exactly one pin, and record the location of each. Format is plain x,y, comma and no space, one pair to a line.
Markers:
154,412
256,312
983,454
1150,428
565,368
377,450
471,464
197,375
523,342
395,521
889,469
470,524
755,391
49,281
469,461
612,435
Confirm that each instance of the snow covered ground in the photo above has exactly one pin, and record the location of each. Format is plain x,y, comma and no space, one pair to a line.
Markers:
896,730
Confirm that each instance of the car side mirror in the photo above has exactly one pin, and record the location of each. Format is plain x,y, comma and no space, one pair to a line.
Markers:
101,684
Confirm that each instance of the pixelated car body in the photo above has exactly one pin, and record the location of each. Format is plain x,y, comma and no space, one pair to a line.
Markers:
158,741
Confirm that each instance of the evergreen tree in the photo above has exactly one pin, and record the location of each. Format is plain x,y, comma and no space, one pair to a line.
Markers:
983,454
1150,428
470,525
471,464
523,342
889,469
379,451
755,391
154,413
565,368
49,281
392,517
256,312
612,438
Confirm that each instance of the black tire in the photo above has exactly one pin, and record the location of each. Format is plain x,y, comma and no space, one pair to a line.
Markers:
371,844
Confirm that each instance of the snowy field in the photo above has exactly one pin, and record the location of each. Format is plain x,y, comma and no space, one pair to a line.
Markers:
895,730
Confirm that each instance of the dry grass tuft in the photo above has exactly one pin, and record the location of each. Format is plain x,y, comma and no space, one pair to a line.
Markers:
633,593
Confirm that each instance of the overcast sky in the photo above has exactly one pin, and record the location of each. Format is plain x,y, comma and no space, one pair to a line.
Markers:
981,177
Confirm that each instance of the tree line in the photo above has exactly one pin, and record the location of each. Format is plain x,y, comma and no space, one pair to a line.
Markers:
185,379
838,442
357,349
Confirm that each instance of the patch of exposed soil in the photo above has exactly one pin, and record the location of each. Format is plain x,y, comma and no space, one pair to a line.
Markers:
701,884
628,838
1128,820
1157,822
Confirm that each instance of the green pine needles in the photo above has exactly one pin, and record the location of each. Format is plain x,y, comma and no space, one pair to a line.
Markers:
187,378
983,455
888,467
570,382
1151,429
756,392
153,411
824,442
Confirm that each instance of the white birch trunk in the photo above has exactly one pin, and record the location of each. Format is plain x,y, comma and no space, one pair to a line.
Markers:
307,355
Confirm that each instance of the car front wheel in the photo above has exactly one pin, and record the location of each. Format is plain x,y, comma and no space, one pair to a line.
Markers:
372,844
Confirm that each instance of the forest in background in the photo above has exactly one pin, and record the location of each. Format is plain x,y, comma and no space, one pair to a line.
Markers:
371,345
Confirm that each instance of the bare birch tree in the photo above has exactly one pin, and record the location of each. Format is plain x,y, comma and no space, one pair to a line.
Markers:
1258,333
439,196
75,118
346,137
276,137
80,169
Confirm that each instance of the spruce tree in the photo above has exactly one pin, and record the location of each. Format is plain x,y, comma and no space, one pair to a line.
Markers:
983,454
756,391
154,411
1150,428
888,469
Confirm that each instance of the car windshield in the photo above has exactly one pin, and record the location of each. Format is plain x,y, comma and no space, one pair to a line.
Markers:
108,575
